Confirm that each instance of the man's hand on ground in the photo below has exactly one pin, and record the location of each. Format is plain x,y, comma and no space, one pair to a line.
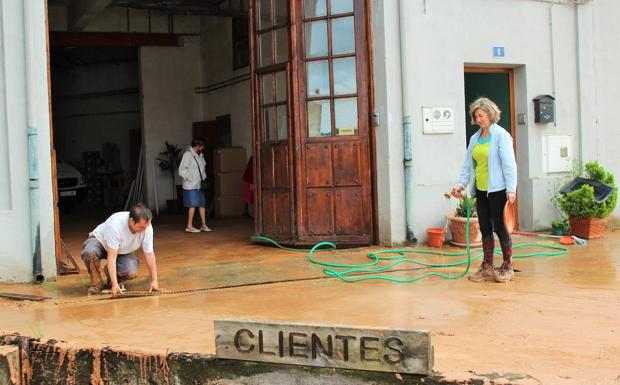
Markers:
116,290
154,286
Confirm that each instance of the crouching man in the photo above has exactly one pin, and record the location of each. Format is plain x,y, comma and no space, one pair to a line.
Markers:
115,240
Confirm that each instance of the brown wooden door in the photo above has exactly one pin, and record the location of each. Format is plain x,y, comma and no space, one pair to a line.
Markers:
272,131
311,114
336,189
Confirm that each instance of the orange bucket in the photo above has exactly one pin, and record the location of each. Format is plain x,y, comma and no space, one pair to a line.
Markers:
436,236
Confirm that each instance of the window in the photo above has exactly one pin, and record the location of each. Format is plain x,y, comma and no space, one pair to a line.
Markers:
274,106
241,48
330,67
273,32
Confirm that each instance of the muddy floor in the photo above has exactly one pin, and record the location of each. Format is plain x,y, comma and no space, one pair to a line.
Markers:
558,322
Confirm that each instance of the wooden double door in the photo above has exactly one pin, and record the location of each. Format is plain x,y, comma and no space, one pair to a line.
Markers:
311,112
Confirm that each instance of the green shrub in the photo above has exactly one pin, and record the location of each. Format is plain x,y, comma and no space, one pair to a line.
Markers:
461,208
561,224
581,204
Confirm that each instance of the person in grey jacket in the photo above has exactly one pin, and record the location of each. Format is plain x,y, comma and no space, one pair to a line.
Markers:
192,170
490,164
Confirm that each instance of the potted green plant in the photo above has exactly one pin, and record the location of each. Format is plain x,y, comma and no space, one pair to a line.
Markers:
587,217
169,161
457,222
560,227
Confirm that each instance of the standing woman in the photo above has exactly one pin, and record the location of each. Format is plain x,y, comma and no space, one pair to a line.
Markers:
490,161
192,170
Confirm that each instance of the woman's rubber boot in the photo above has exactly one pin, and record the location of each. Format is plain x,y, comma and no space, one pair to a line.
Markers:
505,273
485,273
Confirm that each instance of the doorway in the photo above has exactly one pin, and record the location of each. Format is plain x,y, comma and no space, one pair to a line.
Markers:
496,84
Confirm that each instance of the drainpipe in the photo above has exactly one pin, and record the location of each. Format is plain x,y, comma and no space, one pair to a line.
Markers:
579,100
552,43
33,148
407,120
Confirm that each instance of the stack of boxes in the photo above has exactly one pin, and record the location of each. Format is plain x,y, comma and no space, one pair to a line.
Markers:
230,163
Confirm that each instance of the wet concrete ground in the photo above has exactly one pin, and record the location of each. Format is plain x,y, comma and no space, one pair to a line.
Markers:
558,322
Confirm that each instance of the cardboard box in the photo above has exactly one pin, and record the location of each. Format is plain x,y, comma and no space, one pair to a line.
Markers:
229,183
229,206
230,159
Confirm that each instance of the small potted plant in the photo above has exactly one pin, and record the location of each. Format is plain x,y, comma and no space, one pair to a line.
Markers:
457,222
560,227
169,161
586,216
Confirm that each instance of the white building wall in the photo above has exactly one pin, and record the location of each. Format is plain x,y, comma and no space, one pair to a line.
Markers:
23,54
169,106
601,127
216,54
389,132
447,35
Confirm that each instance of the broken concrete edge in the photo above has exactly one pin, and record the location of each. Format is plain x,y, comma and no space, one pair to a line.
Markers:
57,362
9,364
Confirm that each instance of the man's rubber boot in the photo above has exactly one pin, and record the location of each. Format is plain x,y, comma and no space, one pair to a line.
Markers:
96,282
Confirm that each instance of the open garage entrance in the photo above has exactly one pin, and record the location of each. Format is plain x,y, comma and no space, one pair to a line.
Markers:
133,82
279,87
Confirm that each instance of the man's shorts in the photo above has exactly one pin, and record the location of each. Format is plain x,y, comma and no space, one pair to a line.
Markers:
126,264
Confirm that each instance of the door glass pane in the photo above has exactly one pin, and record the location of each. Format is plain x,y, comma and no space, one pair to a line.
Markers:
282,122
281,11
264,14
269,123
266,54
346,116
267,89
281,86
340,6
318,78
282,45
314,8
345,76
343,35
319,118
316,38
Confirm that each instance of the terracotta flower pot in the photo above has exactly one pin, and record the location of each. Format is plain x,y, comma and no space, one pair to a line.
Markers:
588,228
457,228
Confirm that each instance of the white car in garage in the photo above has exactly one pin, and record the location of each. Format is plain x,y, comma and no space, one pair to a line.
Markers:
72,187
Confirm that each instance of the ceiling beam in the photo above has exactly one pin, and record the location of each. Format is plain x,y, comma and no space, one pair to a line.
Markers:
97,39
81,12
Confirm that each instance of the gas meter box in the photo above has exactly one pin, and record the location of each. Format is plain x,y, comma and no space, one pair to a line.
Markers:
544,109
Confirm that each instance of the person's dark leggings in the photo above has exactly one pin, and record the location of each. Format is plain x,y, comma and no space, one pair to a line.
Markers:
491,217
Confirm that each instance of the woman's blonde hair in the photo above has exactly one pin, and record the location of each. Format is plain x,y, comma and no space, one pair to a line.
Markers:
486,105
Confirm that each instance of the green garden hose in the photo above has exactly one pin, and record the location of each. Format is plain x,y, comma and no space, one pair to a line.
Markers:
365,271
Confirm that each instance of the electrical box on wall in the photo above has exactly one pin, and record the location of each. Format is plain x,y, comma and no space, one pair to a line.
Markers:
557,153
544,109
438,120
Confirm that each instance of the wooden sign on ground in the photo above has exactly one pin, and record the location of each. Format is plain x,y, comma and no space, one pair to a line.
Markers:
383,350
